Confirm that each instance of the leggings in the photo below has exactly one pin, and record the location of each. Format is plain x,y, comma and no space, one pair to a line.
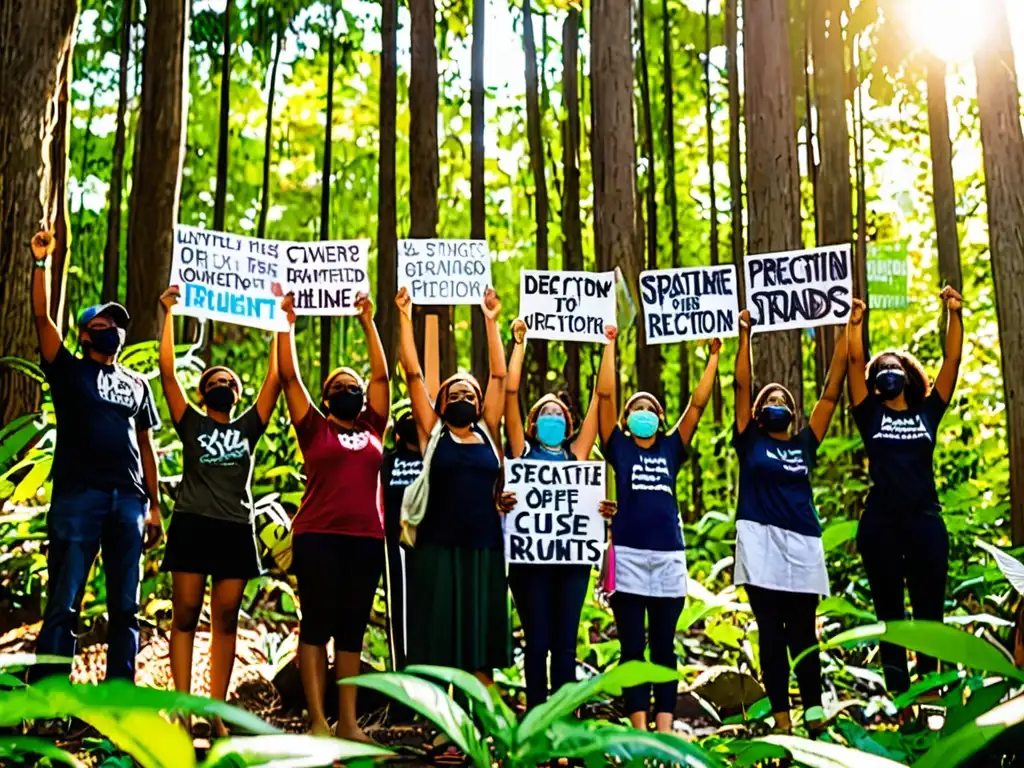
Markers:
662,617
908,551
786,620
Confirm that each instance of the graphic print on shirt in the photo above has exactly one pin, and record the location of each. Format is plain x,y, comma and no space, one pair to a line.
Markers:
792,459
354,441
223,447
404,472
651,474
119,388
902,428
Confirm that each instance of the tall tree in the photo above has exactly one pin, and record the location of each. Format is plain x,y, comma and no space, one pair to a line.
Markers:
156,169
478,192
735,126
572,234
220,196
943,189
709,114
1002,144
35,59
268,131
772,174
387,211
112,248
326,322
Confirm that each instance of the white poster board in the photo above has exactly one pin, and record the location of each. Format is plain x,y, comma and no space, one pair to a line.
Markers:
326,276
556,519
444,272
799,289
689,304
567,306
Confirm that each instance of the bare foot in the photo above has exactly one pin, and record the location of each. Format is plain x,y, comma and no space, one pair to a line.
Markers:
352,733
320,728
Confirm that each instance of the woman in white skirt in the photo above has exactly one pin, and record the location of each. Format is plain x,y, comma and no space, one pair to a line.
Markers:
779,556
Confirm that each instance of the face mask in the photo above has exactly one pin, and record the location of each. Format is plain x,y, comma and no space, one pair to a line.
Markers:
643,424
405,432
551,429
219,399
345,405
890,383
106,341
776,418
461,413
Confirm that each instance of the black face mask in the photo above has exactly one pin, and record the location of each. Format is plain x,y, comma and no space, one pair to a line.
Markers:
405,432
776,418
461,413
106,341
220,398
345,405
890,383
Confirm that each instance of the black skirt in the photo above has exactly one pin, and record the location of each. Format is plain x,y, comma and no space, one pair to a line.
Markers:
211,547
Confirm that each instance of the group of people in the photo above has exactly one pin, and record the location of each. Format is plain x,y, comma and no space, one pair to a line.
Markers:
427,516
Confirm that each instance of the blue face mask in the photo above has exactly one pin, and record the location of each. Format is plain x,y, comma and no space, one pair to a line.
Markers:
776,418
890,383
551,429
643,424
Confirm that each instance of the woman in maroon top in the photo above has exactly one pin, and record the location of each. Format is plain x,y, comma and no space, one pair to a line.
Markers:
338,533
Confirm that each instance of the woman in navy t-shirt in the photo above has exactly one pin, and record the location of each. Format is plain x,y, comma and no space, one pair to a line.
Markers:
902,537
650,561
779,556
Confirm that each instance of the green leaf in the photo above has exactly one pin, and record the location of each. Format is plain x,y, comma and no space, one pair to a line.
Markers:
499,723
971,738
294,750
27,367
18,435
13,746
822,754
609,743
145,735
838,533
28,488
839,606
930,683
978,703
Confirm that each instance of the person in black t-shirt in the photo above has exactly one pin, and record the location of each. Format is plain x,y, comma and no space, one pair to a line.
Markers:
902,537
104,475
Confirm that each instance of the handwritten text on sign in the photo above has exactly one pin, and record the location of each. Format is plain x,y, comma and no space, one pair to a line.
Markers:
567,306
444,271
326,276
689,304
556,519
799,289
227,277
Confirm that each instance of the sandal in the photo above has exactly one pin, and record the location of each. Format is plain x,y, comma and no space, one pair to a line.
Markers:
446,753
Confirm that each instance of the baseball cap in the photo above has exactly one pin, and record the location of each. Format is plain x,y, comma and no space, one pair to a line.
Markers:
111,309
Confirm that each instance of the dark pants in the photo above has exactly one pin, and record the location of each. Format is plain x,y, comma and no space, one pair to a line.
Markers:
786,620
662,616
909,551
394,593
79,525
549,600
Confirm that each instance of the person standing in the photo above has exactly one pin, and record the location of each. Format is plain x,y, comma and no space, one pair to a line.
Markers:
902,537
105,494
212,531
779,556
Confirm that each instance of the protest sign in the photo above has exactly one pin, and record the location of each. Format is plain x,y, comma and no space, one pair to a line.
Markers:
887,267
556,519
227,277
444,271
799,289
689,304
566,306
326,276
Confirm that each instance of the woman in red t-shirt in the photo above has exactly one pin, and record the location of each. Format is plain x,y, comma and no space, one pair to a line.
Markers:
338,533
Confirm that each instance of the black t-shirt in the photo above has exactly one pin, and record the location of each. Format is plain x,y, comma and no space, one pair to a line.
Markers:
99,409
900,446
399,468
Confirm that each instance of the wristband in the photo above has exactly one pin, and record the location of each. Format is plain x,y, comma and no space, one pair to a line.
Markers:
43,263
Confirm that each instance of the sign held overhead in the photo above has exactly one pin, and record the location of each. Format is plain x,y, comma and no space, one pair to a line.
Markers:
567,306
799,289
689,304
443,272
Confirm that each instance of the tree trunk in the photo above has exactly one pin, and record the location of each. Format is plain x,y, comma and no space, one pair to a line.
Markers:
1002,145
156,171
716,403
35,59
112,248
860,253
772,174
572,234
84,166
220,197
387,214
478,192
327,322
735,126
268,134
57,198
943,189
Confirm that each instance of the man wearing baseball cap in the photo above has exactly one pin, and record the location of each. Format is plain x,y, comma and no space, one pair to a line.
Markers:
104,475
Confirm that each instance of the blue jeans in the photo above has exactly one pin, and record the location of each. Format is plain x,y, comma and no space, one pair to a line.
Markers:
79,524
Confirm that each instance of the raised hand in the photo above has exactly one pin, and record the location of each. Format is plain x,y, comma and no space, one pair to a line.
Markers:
952,298
42,245
611,333
714,346
491,304
404,302
607,508
518,330
745,320
506,502
288,307
170,297
365,306
857,312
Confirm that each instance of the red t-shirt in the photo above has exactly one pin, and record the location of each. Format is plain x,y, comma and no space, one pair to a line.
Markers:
343,491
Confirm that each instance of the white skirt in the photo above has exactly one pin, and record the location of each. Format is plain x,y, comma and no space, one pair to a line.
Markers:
774,558
650,573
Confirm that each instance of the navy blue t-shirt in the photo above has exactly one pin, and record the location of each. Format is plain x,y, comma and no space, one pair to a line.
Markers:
775,479
645,482
900,447
399,468
99,408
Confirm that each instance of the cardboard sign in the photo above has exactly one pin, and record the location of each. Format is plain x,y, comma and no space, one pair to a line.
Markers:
567,306
799,289
690,304
443,272
556,519
326,276
227,277
887,267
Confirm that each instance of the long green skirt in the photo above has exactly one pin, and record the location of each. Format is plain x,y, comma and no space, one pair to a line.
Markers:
458,608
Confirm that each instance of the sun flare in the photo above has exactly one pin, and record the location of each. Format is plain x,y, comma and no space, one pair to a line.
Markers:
949,29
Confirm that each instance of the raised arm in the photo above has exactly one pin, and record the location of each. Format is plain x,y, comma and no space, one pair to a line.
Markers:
742,380
607,407
821,416
584,442
945,382
422,409
175,395
378,394
687,424
513,418
857,366
46,329
295,393
494,396
431,356
266,401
